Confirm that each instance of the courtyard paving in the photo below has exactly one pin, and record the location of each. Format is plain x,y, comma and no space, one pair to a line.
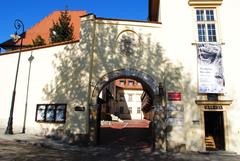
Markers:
117,143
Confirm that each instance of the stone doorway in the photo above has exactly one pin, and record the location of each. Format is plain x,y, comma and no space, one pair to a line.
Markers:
149,85
214,130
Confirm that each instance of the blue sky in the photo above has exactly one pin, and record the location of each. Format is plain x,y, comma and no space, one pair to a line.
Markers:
32,11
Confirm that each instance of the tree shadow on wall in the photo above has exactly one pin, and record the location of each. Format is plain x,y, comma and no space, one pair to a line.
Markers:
72,66
67,87
149,57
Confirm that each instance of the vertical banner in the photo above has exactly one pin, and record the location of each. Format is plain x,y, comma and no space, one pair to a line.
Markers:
210,68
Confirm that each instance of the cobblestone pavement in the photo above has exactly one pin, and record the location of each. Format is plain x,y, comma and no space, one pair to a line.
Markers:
116,144
21,151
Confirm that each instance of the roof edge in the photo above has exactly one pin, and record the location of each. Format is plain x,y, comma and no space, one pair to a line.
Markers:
39,47
113,19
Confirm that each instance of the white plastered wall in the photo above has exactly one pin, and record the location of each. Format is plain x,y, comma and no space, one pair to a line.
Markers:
43,74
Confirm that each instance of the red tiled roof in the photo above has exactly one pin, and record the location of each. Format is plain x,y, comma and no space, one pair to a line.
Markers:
127,85
42,27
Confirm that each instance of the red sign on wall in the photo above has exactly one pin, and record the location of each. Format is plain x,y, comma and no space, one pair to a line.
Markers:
174,96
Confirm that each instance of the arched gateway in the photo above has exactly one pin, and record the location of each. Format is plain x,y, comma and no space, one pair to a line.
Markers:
149,85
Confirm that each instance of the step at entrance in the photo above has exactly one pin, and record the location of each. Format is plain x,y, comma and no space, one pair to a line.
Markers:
214,130
210,143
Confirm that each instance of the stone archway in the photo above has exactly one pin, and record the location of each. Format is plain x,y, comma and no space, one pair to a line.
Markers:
147,81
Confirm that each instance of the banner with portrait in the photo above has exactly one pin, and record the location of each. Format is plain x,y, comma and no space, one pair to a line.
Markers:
210,68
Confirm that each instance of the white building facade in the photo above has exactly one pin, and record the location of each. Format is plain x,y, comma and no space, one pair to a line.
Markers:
191,51
187,27
129,104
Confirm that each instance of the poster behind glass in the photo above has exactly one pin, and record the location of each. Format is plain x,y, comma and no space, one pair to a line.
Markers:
50,113
60,113
40,113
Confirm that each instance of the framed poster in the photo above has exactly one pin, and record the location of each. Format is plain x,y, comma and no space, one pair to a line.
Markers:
51,113
40,114
60,113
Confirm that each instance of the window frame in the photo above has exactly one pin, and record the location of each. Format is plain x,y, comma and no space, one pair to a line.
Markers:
138,110
130,83
121,97
139,83
47,108
206,33
130,110
130,97
121,109
122,82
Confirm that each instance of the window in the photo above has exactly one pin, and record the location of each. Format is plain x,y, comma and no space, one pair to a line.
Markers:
138,98
122,82
121,97
130,109
138,110
130,97
206,25
121,109
139,84
55,113
130,83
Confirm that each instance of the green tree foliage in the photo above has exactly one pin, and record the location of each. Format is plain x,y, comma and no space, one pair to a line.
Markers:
38,41
62,30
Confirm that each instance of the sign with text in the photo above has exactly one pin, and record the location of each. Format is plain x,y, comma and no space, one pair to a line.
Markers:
174,96
213,107
210,69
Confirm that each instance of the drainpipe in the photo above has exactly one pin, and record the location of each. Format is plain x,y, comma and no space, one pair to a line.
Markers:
92,18
165,104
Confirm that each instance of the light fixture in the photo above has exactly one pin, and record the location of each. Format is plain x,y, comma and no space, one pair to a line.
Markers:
18,24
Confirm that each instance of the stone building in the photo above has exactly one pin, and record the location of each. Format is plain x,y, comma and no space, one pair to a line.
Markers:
184,57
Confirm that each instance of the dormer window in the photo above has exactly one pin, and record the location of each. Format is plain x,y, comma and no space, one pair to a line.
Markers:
122,82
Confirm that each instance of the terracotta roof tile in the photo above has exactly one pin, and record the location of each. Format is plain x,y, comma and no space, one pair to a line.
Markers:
42,27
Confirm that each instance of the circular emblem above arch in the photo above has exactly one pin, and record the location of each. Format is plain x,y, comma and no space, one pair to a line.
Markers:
128,42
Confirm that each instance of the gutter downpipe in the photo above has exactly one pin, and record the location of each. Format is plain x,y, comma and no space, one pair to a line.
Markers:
90,112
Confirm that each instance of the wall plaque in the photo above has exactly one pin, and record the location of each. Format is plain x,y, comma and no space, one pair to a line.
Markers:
213,107
174,96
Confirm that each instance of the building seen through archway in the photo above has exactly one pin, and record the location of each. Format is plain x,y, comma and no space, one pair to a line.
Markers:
125,112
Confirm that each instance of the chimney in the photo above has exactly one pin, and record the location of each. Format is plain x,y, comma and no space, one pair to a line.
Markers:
153,10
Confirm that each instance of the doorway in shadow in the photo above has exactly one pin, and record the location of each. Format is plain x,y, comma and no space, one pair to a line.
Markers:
124,114
214,130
